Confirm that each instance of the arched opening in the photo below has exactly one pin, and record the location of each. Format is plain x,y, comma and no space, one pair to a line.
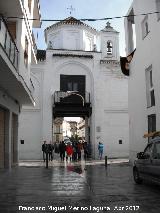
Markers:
109,48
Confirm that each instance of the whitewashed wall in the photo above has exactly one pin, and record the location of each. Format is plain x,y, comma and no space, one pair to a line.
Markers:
107,87
147,53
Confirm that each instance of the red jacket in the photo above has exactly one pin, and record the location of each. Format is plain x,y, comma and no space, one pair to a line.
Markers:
69,150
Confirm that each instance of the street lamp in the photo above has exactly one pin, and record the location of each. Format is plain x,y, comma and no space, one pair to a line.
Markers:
68,93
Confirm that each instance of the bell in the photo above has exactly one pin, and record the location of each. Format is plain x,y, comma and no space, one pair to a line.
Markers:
109,47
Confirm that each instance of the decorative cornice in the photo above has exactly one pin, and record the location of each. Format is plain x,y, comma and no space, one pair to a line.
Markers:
115,62
72,55
70,21
123,110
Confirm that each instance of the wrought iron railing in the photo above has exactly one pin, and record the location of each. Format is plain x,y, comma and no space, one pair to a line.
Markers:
8,43
61,96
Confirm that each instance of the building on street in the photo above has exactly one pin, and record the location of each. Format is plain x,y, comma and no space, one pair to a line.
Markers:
144,75
17,52
78,75
81,129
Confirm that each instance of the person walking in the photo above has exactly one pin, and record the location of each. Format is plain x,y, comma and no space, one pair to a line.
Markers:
44,150
86,151
62,149
100,149
69,151
50,147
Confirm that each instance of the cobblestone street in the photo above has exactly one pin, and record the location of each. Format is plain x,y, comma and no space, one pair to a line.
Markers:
76,188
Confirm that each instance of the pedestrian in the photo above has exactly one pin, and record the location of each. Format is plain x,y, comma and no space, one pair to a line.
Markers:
44,150
86,151
79,148
100,149
56,147
62,149
74,156
50,151
69,151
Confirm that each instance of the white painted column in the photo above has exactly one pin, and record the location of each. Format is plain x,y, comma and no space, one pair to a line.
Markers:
8,133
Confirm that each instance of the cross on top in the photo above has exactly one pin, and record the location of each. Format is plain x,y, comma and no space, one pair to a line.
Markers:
71,9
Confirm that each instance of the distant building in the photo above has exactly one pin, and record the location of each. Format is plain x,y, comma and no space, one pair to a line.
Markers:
79,75
66,130
144,72
81,129
17,52
73,128
58,130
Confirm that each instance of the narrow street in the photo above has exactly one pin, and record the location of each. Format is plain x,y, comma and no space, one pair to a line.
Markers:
74,187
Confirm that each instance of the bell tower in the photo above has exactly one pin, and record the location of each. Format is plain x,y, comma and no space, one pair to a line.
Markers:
109,43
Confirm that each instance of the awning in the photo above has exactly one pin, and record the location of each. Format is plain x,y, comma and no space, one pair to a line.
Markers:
125,61
151,134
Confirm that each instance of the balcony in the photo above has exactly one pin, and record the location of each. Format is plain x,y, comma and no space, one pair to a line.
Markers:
71,104
11,80
73,98
11,8
7,43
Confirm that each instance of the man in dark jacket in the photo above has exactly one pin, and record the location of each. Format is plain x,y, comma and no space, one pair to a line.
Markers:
44,150
51,148
62,149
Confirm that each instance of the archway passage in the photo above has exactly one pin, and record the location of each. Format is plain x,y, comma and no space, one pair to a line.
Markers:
71,101
74,131
72,106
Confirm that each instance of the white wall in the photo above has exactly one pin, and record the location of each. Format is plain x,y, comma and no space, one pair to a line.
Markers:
31,121
30,132
147,53
108,90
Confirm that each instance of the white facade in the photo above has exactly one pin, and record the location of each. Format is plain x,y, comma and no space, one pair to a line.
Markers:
144,75
66,129
17,52
81,128
77,49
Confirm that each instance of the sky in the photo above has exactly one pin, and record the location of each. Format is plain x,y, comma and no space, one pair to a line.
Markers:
57,9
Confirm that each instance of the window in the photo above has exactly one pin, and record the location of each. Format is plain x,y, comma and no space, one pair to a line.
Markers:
26,52
109,48
98,129
149,88
148,151
145,28
72,86
156,151
130,32
120,141
151,123
158,9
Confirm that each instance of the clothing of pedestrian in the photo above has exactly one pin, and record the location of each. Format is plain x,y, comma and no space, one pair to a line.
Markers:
86,151
100,148
69,151
62,149
79,146
56,147
74,156
50,151
44,150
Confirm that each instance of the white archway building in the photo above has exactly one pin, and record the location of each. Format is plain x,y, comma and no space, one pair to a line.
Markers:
78,58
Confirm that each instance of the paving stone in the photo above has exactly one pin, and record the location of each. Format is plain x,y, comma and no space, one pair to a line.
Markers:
79,190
